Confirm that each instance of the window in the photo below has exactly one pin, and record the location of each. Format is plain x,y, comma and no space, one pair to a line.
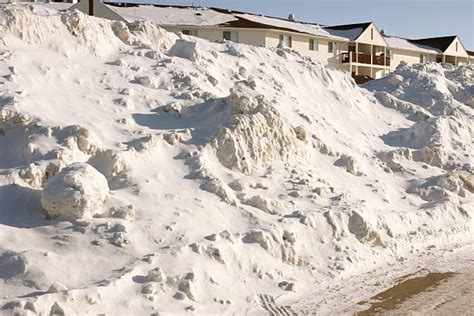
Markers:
231,36
330,47
190,32
285,41
422,58
456,46
313,45
371,33
390,54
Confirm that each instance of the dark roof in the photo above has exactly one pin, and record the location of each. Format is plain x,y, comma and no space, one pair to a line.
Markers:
441,43
470,53
245,23
350,26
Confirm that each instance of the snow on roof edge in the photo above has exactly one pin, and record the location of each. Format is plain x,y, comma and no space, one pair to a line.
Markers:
135,11
405,44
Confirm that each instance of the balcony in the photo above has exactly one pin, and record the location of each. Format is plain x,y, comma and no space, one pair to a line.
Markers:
350,57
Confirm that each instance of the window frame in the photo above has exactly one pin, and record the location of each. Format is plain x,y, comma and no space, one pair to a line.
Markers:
282,40
190,32
333,46
390,54
315,45
236,36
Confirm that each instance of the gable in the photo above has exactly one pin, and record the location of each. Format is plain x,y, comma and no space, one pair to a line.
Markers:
100,10
460,52
371,35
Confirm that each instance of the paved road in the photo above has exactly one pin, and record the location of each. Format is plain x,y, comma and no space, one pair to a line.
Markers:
433,294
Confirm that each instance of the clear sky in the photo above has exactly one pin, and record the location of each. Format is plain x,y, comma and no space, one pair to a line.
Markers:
405,18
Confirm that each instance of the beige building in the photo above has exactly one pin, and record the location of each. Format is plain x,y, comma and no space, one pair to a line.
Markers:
358,48
471,57
97,8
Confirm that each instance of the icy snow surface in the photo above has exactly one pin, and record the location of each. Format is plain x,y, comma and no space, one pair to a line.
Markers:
241,179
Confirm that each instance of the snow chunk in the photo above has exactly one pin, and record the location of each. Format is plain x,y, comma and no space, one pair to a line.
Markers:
185,49
350,164
261,203
78,191
156,275
124,212
436,188
362,231
257,135
57,287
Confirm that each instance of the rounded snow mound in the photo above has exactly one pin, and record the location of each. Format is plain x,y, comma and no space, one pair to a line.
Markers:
78,191
441,89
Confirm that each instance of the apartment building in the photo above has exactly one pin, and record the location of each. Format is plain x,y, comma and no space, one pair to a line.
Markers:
361,48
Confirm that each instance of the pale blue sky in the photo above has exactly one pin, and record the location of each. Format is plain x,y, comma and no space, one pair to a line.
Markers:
406,18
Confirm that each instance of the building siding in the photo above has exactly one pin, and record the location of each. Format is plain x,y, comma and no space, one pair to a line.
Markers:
300,43
451,50
409,57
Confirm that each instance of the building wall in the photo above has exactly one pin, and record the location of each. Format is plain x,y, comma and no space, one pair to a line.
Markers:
451,50
256,38
365,37
250,37
300,43
409,57
462,61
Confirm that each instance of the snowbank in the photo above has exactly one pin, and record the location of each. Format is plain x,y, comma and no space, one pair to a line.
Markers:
229,179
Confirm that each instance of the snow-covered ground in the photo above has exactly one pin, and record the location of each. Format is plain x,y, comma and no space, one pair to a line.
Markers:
238,179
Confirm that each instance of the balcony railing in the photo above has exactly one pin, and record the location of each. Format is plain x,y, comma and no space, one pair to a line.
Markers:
365,59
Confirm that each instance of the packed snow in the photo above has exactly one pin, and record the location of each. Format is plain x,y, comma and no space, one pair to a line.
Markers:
143,172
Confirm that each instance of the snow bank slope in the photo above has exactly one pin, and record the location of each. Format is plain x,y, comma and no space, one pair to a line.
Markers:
241,178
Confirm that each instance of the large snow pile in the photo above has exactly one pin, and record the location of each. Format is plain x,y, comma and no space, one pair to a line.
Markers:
439,98
242,179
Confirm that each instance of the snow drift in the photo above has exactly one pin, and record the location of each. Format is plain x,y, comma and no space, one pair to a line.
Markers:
228,178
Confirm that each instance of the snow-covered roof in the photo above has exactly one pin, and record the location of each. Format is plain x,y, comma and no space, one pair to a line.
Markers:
403,43
202,17
308,28
175,15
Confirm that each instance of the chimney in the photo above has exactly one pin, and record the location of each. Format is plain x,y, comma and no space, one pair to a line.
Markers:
291,17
